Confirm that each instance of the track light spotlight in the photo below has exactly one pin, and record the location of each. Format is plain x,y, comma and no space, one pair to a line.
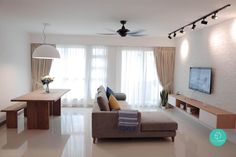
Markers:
204,21
193,26
182,31
175,34
169,36
214,16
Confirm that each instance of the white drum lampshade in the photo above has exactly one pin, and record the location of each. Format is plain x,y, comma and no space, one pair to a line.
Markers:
45,52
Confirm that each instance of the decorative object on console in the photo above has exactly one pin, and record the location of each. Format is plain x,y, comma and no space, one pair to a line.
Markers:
192,110
45,51
164,98
182,106
46,80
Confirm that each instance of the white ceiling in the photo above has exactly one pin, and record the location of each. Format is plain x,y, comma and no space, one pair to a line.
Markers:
89,17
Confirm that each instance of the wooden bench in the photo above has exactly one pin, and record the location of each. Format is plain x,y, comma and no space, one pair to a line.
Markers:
12,113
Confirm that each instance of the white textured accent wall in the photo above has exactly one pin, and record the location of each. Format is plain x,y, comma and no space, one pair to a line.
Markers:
15,73
214,47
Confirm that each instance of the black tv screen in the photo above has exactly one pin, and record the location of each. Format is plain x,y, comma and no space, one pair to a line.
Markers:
200,79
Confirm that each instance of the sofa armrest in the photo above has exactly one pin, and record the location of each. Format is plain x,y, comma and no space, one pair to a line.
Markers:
120,96
105,123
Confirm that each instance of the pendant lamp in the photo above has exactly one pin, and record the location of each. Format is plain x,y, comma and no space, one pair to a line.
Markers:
45,51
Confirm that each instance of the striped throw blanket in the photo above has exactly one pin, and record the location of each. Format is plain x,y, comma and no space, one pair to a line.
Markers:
128,120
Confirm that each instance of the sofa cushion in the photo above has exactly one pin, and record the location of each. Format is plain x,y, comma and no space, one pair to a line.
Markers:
120,96
102,102
109,92
101,89
157,121
113,103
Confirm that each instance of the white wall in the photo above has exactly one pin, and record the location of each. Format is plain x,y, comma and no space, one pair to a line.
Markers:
104,40
15,72
214,47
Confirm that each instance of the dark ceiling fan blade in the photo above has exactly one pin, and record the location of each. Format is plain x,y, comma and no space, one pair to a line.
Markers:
136,32
137,35
107,33
111,30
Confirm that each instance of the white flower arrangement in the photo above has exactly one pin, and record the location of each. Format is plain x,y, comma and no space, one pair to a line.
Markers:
47,79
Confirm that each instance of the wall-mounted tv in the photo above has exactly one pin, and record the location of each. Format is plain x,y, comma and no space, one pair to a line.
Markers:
200,79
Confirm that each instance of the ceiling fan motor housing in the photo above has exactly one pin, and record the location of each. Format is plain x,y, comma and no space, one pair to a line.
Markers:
123,31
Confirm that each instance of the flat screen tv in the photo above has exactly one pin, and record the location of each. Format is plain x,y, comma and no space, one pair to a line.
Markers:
200,79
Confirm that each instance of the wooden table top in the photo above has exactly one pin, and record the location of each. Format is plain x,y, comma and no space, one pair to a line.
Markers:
41,95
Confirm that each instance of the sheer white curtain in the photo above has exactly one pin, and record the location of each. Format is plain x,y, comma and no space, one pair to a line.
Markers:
98,69
138,77
81,69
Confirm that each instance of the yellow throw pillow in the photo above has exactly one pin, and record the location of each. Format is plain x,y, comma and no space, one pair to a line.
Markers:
113,103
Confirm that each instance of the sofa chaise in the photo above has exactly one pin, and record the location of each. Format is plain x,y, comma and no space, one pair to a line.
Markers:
151,124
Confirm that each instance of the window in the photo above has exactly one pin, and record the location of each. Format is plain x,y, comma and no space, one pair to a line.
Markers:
81,69
98,69
138,77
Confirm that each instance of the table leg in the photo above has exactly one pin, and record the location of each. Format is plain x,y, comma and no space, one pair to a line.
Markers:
51,108
11,119
38,115
57,108
25,112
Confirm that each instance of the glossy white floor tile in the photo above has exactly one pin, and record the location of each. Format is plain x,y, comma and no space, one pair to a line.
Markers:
70,136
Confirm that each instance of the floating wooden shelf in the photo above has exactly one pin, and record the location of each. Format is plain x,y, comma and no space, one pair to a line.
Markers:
208,114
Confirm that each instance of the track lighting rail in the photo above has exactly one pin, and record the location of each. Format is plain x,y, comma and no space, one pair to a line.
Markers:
193,23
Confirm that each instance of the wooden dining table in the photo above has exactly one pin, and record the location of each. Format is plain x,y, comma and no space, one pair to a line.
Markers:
40,105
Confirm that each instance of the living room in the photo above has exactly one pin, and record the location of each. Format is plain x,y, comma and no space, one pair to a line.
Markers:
93,53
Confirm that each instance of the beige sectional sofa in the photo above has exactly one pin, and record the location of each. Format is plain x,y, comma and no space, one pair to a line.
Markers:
151,124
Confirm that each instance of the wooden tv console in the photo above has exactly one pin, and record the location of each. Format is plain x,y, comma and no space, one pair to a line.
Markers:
212,116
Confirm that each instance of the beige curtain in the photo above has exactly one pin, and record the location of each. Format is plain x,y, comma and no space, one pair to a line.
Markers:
39,68
165,62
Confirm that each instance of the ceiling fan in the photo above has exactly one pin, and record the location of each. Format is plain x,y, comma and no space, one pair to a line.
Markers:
123,32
